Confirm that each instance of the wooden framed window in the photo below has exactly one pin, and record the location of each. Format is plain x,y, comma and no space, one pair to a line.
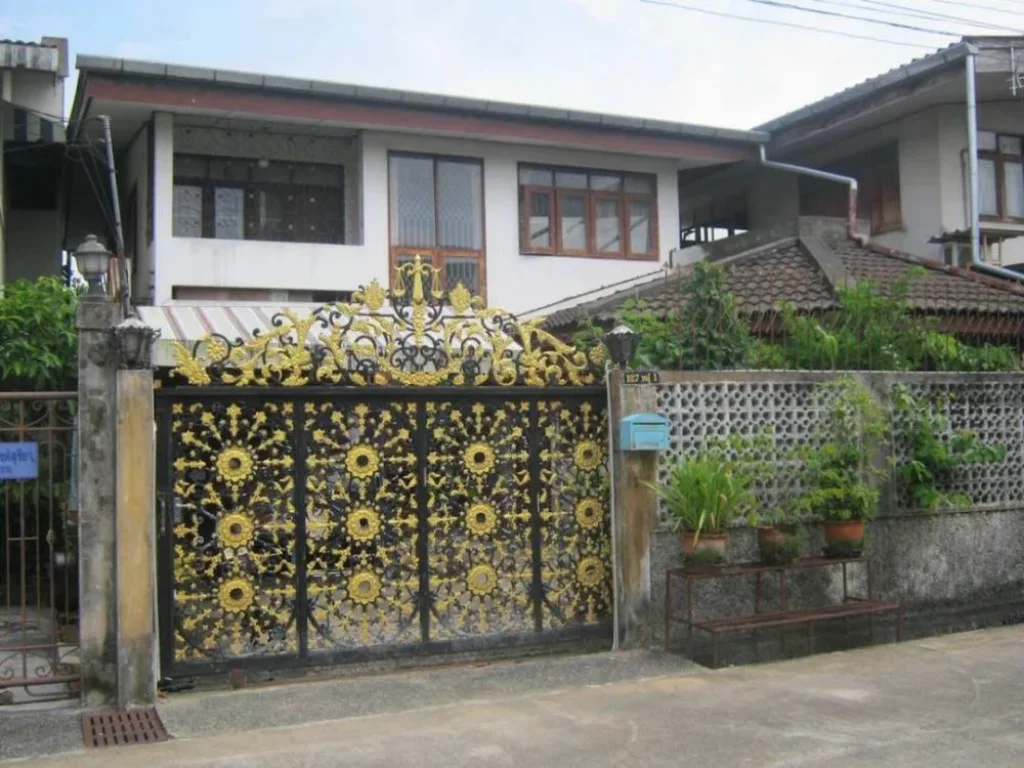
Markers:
591,213
436,210
232,198
1001,176
878,197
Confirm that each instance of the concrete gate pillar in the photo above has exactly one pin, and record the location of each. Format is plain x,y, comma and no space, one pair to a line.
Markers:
117,526
635,513
97,535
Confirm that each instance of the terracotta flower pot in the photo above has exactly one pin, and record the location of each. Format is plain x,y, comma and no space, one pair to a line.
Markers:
706,541
850,531
775,547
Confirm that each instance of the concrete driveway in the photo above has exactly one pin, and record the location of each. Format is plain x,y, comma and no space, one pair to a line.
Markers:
951,701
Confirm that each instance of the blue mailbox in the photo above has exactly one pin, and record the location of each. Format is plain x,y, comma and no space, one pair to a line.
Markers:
643,432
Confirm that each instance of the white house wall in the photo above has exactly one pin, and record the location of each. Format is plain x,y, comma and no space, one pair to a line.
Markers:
515,281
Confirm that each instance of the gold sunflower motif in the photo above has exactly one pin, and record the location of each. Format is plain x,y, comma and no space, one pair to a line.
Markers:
234,464
362,461
588,456
481,580
235,530
236,595
364,587
481,518
590,571
589,512
479,458
363,524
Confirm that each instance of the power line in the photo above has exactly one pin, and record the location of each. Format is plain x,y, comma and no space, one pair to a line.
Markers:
975,6
903,10
790,24
866,19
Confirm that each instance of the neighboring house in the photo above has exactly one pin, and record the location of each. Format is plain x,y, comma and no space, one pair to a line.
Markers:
803,263
240,187
32,131
903,135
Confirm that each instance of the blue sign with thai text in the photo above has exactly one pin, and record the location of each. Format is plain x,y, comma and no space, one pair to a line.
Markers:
19,461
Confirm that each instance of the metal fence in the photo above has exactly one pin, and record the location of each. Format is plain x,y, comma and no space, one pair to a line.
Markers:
38,549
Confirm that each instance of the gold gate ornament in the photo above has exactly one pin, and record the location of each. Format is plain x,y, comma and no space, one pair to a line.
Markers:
415,334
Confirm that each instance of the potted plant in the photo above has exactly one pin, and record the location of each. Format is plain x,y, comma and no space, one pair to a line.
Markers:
842,472
779,540
703,496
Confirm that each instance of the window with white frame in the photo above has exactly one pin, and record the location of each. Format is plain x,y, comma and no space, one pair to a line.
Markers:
1000,176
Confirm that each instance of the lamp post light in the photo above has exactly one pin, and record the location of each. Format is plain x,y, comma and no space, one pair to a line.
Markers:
622,342
133,344
92,259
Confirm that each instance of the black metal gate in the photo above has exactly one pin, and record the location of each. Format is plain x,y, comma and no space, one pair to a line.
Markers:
38,549
338,524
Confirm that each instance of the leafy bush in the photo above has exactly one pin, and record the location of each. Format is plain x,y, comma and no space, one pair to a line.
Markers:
936,453
842,476
706,333
38,340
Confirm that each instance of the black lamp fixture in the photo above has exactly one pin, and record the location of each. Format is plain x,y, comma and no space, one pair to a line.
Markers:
133,343
622,342
92,260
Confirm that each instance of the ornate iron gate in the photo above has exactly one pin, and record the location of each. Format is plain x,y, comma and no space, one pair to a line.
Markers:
305,520
38,554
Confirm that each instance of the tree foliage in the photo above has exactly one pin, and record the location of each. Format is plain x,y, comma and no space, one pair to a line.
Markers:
38,340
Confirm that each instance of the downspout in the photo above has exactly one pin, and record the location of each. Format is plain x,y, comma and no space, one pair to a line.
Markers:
115,204
849,181
611,507
973,194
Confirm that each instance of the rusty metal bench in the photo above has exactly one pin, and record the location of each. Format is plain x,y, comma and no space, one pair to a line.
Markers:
850,607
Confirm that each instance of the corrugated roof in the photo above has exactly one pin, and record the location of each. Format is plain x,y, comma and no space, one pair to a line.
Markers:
321,88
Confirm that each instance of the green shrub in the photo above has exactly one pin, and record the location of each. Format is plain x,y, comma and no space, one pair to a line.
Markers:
38,339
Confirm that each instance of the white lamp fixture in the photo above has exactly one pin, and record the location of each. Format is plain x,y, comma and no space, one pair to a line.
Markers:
92,259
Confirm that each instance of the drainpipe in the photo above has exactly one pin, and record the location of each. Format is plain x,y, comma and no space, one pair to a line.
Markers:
115,204
973,194
611,507
851,209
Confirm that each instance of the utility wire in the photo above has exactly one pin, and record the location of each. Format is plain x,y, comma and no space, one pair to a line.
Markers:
789,24
903,10
866,19
975,6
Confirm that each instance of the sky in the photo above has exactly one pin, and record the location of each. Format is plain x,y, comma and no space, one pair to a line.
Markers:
617,56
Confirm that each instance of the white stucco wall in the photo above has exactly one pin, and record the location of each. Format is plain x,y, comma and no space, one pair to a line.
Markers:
39,91
514,281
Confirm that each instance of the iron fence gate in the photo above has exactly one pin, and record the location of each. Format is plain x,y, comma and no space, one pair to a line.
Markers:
38,550
339,524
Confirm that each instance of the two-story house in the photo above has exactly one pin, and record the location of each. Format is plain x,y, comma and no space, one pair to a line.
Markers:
903,136
32,136
242,187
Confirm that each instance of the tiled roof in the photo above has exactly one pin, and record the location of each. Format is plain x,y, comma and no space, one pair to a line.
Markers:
788,271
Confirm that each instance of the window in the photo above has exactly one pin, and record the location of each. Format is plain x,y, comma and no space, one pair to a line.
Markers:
437,212
244,199
573,212
1000,176
878,195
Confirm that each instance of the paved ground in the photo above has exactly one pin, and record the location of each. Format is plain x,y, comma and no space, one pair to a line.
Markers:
942,702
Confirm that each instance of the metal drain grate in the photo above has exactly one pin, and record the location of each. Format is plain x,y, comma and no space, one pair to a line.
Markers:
114,729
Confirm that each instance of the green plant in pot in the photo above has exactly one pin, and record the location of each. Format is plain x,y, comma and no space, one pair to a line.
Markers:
843,471
779,538
704,495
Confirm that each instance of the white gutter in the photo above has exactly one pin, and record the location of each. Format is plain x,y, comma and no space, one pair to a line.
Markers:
972,173
851,209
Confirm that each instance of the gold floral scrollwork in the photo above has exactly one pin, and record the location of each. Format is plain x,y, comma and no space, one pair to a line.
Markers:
590,571
364,587
415,334
234,464
479,458
588,456
235,530
363,524
481,519
481,580
589,512
236,595
362,461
